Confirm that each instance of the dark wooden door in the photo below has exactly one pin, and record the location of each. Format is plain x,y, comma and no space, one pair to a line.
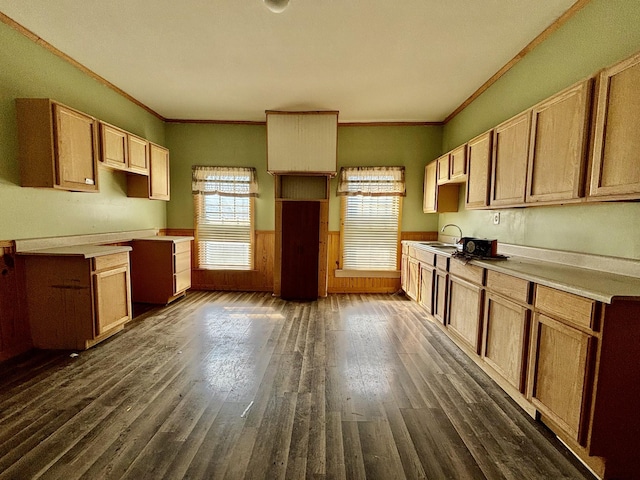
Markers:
300,248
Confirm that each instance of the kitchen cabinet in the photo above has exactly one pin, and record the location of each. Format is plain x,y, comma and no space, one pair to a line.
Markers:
155,186
479,151
75,300
57,146
404,268
122,150
615,163
160,268
443,172
427,286
509,162
506,332
438,198
558,145
414,279
458,164
464,313
440,289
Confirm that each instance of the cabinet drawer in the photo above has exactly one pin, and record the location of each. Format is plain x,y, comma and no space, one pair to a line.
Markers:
442,262
181,247
181,262
109,261
427,258
566,306
511,287
472,273
182,281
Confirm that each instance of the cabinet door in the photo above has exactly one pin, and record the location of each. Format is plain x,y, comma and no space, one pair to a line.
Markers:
112,298
458,163
558,145
75,150
159,173
430,181
479,171
113,143
414,278
443,169
509,165
506,339
427,282
615,160
138,155
440,295
560,376
404,273
465,307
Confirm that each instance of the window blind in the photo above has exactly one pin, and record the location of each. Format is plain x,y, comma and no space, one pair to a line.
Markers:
370,217
224,223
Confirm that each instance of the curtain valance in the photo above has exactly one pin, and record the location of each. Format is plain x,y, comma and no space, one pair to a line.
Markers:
225,181
371,181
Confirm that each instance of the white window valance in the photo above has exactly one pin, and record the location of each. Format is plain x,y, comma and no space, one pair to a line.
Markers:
225,181
371,181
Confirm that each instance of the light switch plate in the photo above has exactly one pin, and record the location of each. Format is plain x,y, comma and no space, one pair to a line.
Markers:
496,218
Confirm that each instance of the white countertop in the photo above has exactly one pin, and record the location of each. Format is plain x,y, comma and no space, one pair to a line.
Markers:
597,285
86,251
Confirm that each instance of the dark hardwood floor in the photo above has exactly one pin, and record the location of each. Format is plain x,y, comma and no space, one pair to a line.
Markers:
244,385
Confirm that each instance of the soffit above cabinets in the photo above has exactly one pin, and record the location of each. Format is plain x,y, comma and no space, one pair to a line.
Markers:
374,60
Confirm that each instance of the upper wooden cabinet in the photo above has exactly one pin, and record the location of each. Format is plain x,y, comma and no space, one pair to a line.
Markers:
558,145
442,174
122,150
479,171
57,146
615,159
458,164
509,166
156,185
438,198
302,142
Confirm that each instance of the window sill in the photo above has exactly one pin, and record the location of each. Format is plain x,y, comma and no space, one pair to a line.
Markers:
224,270
344,273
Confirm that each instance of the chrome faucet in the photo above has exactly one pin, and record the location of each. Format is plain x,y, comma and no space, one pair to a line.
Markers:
452,225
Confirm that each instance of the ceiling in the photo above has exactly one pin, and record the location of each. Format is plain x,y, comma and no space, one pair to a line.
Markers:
373,60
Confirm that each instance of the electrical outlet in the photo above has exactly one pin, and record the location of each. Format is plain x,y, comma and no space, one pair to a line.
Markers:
496,218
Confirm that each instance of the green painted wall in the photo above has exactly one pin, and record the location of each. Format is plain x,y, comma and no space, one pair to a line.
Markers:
245,145
601,34
28,70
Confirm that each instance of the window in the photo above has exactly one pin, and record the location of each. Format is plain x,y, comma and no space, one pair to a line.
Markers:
223,200
371,204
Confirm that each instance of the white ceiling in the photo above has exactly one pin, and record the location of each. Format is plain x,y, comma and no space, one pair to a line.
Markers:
373,60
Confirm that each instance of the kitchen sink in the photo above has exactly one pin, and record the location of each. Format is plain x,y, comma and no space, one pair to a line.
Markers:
443,247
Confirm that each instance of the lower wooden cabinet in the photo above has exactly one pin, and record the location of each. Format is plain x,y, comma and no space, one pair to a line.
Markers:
506,339
74,302
161,268
561,374
414,279
427,284
440,295
465,312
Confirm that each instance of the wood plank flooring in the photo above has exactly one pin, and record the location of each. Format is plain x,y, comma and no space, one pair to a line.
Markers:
247,386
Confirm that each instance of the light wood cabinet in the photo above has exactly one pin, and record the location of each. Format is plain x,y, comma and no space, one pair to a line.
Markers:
57,146
561,376
414,279
441,289
74,302
506,339
615,158
438,198
458,164
160,268
479,152
427,284
509,162
464,313
558,145
123,151
443,172
404,269
155,186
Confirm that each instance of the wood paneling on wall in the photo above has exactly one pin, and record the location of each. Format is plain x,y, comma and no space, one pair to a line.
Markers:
15,336
363,284
261,278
